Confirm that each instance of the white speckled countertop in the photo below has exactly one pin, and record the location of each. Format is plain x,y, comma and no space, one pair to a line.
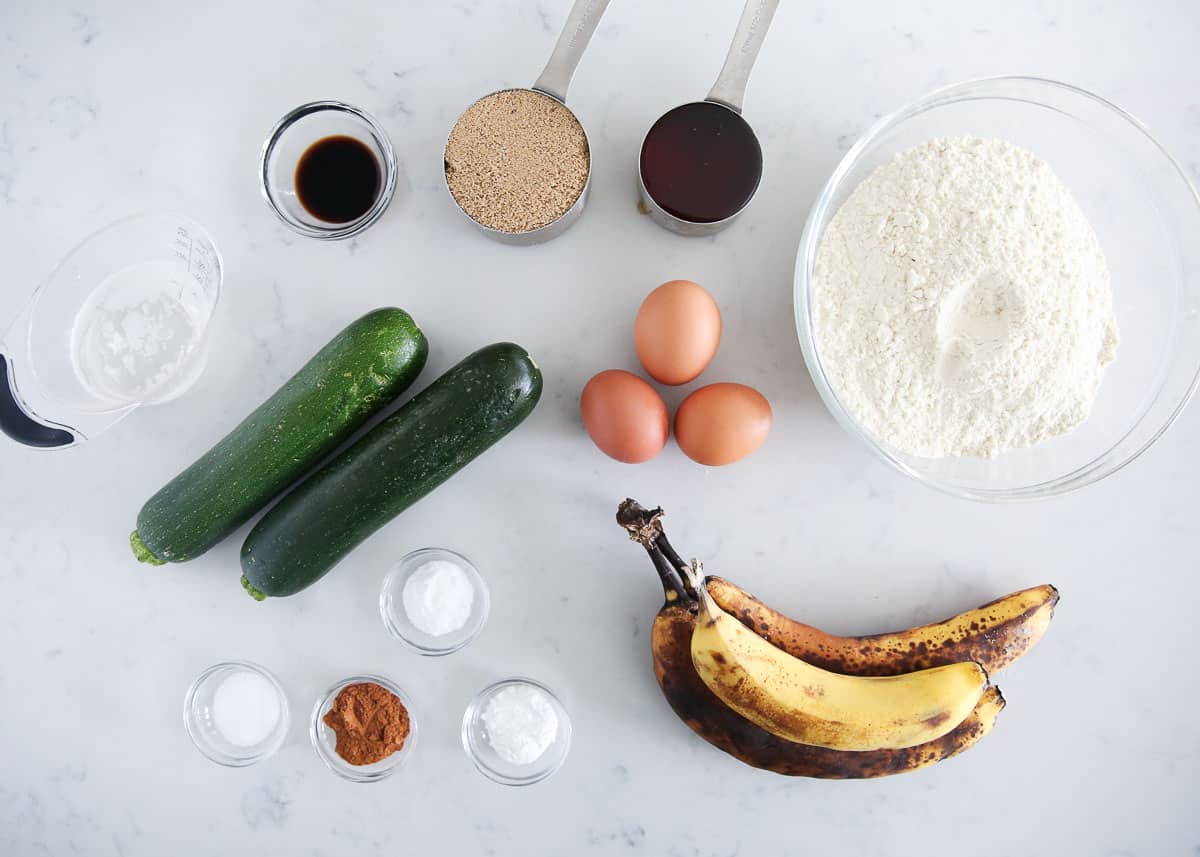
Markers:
111,108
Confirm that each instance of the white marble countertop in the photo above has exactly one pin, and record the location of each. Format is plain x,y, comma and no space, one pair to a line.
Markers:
111,108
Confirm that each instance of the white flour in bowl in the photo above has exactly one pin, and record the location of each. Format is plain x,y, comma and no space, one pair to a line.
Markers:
962,304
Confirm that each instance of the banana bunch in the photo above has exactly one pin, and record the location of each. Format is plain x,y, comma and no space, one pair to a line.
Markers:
790,698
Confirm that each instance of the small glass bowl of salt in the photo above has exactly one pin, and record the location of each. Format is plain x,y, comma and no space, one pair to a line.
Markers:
434,601
516,732
236,713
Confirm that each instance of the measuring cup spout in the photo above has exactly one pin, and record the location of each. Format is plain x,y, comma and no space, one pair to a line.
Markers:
730,88
572,41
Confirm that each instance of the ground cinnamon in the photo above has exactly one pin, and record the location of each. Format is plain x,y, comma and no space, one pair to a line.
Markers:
370,723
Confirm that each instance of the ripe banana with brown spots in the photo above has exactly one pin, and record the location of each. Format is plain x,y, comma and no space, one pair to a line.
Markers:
800,702
993,635
726,729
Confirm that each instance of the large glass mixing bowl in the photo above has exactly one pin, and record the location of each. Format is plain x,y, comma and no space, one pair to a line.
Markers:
1147,216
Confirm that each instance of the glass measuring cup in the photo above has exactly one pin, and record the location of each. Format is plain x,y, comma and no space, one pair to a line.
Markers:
121,322
701,163
553,82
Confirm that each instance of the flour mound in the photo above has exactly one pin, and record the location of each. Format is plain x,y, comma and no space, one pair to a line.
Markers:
962,304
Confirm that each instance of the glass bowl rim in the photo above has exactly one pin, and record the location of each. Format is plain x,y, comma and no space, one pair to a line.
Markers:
1099,468
329,755
565,728
482,592
282,727
387,190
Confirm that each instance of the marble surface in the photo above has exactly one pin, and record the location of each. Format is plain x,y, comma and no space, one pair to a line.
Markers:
111,108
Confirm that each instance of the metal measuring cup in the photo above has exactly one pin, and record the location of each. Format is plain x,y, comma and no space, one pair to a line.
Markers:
553,82
726,95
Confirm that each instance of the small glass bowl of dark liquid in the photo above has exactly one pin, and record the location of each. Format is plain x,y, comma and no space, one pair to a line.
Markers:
328,170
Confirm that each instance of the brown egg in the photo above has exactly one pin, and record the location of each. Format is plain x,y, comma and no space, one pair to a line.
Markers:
624,416
677,331
722,423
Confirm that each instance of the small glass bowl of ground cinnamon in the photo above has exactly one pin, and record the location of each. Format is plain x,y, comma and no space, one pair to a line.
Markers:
363,728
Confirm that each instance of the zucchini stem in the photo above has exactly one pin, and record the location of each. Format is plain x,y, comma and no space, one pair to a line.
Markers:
143,553
251,591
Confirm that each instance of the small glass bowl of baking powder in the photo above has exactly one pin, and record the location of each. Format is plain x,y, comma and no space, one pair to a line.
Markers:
434,601
236,713
516,732
324,740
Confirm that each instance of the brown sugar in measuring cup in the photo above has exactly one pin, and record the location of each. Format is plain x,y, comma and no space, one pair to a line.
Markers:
518,162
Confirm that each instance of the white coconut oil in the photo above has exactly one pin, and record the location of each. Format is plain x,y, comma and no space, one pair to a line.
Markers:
136,336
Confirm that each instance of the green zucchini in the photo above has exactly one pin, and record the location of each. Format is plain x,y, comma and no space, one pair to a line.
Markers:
391,467
361,370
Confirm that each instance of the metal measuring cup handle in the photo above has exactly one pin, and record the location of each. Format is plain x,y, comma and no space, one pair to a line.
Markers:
730,87
568,50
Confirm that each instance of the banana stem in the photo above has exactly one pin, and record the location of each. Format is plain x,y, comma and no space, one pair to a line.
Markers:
645,527
673,586
676,560
641,523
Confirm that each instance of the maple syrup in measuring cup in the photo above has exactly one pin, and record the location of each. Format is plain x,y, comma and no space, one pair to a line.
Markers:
701,162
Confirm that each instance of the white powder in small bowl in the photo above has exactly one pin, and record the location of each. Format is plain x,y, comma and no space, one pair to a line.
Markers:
438,598
245,708
520,723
